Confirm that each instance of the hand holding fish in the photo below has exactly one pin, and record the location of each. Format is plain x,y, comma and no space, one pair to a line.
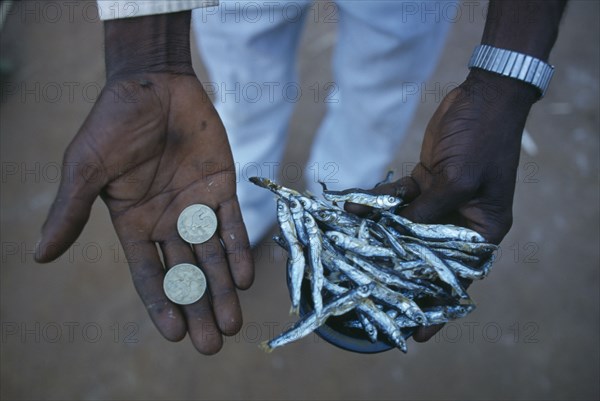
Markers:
468,163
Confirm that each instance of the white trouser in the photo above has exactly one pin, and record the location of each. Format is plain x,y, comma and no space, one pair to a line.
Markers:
384,51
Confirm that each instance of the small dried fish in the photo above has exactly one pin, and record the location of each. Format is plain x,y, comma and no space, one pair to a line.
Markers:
338,220
387,325
362,197
296,261
310,204
444,272
472,250
277,189
367,326
358,246
316,267
441,232
465,271
384,322
298,217
437,315
390,239
341,305
382,293
390,279
383,267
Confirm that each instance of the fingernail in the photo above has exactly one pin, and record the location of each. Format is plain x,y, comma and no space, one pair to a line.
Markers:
36,249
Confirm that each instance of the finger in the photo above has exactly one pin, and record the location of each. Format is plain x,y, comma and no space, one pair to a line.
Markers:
203,330
225,302
405,188
425,333
237,246
201,325
79,186
148,273
491,214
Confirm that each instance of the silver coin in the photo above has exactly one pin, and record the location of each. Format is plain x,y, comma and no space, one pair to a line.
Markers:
197,223
184,284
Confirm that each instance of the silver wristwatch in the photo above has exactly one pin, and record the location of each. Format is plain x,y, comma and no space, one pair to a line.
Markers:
514,65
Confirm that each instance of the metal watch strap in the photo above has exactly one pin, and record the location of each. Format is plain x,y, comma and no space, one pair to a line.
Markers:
514,65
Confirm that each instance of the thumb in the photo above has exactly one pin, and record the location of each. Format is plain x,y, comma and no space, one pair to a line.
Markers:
79,187
424,333
405,188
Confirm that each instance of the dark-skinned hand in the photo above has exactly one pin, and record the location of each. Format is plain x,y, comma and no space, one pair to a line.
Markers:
468,162
152,145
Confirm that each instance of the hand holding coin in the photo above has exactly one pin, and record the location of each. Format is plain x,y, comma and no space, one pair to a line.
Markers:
155,157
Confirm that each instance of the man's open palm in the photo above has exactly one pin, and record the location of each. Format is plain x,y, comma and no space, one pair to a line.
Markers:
151,146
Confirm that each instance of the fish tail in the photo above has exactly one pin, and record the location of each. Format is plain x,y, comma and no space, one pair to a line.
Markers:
265,347
460,292
402,347
318,304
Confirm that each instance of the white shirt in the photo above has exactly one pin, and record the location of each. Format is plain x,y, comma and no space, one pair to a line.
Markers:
115,9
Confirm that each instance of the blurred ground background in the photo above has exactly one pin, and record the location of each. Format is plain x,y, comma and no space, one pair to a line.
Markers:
75,329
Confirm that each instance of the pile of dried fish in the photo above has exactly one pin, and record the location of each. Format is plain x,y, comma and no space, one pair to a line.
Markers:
384,268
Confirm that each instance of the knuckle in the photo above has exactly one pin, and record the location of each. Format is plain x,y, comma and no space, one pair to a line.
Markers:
224,295
232,226
461,187
499,227
505,224
213,259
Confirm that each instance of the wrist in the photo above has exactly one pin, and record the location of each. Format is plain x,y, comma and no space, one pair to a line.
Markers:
503,92
155,43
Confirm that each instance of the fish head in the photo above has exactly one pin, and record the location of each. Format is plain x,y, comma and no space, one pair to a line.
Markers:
309,222
335,237
365,290
295,205
469,235
327,216
306,203
418,316
475,237
389,201
282,210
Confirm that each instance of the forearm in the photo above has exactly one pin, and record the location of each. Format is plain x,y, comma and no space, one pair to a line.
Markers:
156,43
528,27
